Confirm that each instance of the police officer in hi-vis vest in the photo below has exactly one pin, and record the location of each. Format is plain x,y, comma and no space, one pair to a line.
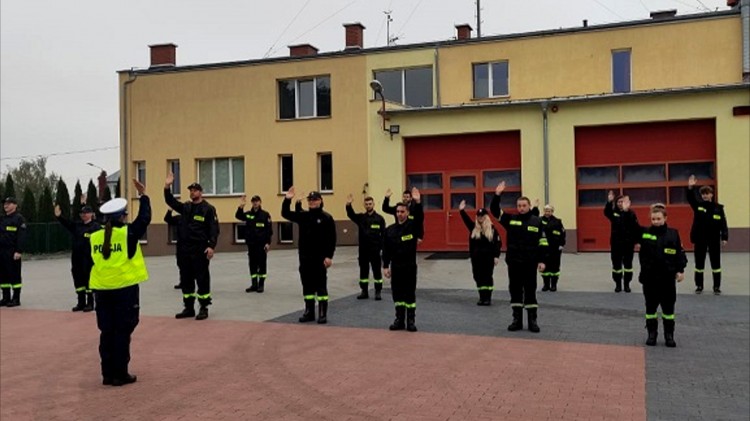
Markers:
118,269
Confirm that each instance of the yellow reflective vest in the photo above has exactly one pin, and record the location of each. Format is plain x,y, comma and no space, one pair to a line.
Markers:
118,271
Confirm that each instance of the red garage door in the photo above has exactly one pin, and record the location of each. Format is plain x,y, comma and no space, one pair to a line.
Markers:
650,162
448,169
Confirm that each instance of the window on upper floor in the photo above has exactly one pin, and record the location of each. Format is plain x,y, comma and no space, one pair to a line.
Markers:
620,71
411,87
140,171
305,98
490,79
325,172
222,175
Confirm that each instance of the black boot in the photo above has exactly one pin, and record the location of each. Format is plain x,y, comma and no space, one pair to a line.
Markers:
202,313
16,300
322,312
481,297
627,277
517,323
531,314
669,333
364,294
627,286
309,314
618,285
81,301
89,302
122,381
399,323
261,285
717,281
653,331
6,297
189,310
410,316
378,289
489,297
698,281
546,281
553,283
253,285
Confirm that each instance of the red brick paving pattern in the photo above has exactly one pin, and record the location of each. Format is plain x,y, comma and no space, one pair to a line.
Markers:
225,370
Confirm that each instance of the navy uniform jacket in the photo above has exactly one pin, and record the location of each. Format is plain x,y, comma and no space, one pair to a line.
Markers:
709,220
12,233
624,225
661,253
400,243
526,241
199,225
317,232
371,228
258,226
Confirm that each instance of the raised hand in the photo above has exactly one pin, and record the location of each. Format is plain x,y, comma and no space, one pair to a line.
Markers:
500,188
170,179
58,211
243,201
388,193
536,202
625,203
462,205
289,193
610,196
349,199
139,187
416,195
692,181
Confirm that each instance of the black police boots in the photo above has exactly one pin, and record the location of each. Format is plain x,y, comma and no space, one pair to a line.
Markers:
517,323
309,314
122,381
253,285
378,289
364,294
531,314
261,285
16,300
202,313
6,297
81,301
546,281
89,302
399,323
485,297
653,331
698,281
189,310
410,315
669,333
618,285
553,283
322,312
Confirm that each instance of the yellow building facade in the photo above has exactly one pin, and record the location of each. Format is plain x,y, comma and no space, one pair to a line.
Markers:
562,116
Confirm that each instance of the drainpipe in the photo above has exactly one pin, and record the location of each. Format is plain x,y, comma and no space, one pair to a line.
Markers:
436,60
545,153
745,16
125,179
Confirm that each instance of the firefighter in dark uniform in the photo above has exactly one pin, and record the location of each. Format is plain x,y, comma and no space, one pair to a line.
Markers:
201,229
484,250
118,270
621,241
526,253
708,233
554,231
663,262
173,223
258,233
317,244
400,261
12,242
408,200
371,229
80,258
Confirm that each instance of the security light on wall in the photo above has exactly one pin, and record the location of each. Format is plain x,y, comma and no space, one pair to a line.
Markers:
377,89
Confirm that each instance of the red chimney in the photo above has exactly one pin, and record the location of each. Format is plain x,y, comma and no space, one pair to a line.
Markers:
163,55
302,50
463,31
732,3
354,35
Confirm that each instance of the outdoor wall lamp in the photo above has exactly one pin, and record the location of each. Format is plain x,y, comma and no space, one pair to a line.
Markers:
377,88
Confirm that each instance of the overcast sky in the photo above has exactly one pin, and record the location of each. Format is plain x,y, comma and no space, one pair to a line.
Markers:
58,63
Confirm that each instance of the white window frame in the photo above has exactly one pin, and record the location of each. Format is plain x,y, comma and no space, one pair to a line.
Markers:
213,175
236,233
280,231
490,80
178,176
281,171
402,72
314,80
138,166
320,172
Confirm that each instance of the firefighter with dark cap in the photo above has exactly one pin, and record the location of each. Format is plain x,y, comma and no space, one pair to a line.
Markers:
371,227
708,233
12,242
400,261
484,250
408,200
317,243
80,258
663,264
118,270
258,233
201,229
624,224
527,251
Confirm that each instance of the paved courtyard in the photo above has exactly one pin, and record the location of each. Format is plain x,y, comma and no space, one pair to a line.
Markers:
252,360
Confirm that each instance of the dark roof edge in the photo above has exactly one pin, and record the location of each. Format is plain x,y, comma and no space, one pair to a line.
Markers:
433,44
576,98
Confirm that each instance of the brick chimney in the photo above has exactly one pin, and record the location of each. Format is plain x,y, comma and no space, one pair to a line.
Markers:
163,55
355,38
663,14
463,31
732,3
302,50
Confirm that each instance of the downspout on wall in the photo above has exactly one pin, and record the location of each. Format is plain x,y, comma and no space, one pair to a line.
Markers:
437,76
745,16
545,150
125,179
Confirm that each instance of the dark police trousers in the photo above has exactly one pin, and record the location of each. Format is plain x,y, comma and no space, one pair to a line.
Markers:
116,316
714,254
194,270
522,285
369,258
404,285
314,277
257,257
622,262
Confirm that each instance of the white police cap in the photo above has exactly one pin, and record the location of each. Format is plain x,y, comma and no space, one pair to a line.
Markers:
114,206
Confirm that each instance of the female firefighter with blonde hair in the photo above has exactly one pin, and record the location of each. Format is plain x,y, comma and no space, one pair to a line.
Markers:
118,269
484,249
